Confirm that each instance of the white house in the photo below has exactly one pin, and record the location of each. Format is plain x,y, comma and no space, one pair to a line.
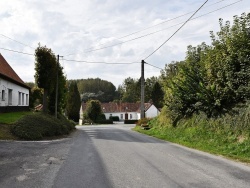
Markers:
125,111
14,93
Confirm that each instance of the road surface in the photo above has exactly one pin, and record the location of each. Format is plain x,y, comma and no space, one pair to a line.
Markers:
114,156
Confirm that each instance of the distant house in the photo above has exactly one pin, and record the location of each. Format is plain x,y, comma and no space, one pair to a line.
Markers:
125,111
14,93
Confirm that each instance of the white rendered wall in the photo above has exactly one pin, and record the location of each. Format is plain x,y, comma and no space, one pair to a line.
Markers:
152,112
16,91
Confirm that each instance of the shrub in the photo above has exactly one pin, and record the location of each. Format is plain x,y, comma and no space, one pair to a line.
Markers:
143,121
114,118
130,121
105,121
37,126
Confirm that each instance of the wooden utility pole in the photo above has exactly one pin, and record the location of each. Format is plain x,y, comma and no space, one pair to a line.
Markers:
142,90
57,67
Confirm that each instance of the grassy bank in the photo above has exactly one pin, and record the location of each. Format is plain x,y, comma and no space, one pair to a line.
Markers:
206,135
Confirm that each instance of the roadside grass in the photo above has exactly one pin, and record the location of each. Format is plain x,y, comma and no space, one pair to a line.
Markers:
216,140
10,118
6,121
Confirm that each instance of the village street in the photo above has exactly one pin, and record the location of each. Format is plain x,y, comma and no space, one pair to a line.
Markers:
114,156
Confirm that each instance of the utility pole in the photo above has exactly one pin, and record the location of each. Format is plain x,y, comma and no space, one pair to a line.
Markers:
57,67
142,90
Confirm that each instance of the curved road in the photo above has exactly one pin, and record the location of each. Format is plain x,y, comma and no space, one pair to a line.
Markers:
114,156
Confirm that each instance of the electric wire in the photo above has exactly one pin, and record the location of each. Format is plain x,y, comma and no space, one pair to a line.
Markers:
176,31
93,62
153,66
146,28
16,51
142,36
17,41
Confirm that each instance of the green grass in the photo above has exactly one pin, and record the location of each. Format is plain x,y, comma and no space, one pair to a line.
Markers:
10,118
219,141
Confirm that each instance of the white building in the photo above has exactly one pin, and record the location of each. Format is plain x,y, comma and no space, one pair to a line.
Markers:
14,93
125,111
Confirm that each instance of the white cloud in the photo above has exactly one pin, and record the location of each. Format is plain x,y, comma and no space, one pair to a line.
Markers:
73,26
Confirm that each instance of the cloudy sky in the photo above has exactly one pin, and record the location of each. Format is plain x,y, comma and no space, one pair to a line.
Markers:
110,31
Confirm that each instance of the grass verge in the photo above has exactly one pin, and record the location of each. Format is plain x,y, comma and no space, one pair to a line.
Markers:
10,118
219,141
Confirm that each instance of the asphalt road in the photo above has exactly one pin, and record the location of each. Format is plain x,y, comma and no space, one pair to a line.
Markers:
114,156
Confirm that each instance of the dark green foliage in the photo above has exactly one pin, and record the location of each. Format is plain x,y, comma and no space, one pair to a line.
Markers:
95,89
212,79
73,102
130,121
104,121
38,126
157,95
93,110
114,118
45,67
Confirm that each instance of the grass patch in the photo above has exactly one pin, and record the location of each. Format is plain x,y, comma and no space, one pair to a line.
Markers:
5,133
206,135
10,118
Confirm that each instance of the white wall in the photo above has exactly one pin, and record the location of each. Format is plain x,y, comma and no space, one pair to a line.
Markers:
121,115
19,96
152,112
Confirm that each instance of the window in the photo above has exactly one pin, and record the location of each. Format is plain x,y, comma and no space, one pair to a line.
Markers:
22,98
121,116
19,98
27,99
130,116
3,95
9,96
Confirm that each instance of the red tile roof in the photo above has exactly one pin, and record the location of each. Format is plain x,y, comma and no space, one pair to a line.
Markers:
113,107
9,73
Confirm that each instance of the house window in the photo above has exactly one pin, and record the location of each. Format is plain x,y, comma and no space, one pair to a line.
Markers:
27,99
9,96
19,98
130,116
3,95
121,116
22,98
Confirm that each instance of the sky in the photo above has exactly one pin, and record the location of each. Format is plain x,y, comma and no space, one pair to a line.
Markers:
117,33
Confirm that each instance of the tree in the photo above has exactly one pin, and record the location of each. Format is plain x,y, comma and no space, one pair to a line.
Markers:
45,67
73,102
93,110
157,95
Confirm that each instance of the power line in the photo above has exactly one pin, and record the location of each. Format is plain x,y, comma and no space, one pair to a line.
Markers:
92,62
176,31
142,36
153,66
146,28
16,51
16,41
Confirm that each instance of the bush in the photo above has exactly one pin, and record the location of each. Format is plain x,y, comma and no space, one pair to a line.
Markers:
38,126
114,118
131,121
105,121
143,121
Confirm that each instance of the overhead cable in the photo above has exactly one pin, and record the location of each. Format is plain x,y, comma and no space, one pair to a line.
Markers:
17,41
16,51
176,30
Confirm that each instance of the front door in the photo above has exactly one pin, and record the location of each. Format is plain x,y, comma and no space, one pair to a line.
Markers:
126,116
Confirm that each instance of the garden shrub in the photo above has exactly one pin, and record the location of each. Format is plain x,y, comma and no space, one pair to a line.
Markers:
37,126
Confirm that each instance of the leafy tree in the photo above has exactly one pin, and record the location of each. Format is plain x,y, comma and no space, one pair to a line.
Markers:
93,110
45,67
157,95
62,92
73,102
